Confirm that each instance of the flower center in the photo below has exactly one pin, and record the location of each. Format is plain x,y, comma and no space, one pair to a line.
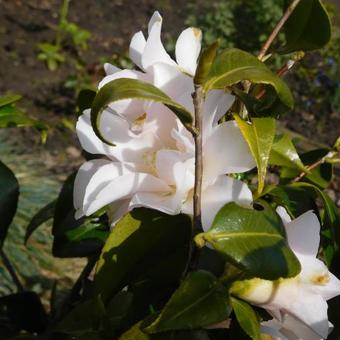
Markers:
138,123
321,279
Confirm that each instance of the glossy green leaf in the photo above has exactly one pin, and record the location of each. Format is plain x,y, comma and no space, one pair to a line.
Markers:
253,240
283,153
139,242
308,27
205,62
234,65
9,194
124,88
135,333
247,318
43,215
84,100
75,238
259,135
200,301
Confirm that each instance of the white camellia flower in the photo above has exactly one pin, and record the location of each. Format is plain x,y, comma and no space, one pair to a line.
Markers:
152,162
302,298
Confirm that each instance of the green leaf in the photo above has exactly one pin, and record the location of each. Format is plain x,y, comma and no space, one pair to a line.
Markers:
139,242
9,195
234,65
75,238
43,215
200,301
283,153
205,62
124,88
135,333
84,100
308,27
253,240
6,100
259,135
247,318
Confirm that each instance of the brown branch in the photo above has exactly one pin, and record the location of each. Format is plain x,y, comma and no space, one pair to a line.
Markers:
277,28
198,98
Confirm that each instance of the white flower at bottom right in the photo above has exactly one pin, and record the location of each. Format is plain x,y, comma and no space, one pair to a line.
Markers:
302,300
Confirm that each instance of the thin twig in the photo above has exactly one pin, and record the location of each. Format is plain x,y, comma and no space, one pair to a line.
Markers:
329,155
11,270
277,29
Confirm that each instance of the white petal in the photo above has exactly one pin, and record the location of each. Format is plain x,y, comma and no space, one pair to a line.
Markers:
217,104
317,278
111,69
156,17
137,46
88,139
303,234
154,51
226,151
123,187
223,191
300,330
283,214
311,309
171,80
83,177
188,47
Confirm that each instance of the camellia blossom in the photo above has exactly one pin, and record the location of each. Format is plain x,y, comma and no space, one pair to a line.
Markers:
152,162
301,299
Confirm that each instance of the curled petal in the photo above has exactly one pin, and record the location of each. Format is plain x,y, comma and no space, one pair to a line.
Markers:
226,151
188,47
137,46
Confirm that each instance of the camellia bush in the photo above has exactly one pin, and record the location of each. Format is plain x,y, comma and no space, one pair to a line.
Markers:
199,219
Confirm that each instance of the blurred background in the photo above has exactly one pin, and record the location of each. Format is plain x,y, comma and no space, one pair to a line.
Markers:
53,49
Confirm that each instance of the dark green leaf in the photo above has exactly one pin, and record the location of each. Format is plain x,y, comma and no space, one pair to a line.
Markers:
9,194
253,240
283,153
84,317
136,248
233,66
259,135
74,238
85,100
200,301
308,27
247,318
124,88
39,218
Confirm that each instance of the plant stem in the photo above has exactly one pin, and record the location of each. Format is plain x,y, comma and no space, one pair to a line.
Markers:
62,19
198,99
7,263
277,28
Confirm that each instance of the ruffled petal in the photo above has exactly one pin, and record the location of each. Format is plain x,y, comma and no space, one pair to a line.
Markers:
303,234
88,139
154,51
221,192
136,49
188,47
225,151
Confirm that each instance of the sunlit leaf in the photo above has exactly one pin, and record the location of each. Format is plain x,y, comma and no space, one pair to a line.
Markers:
247,318
253,240
259,135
